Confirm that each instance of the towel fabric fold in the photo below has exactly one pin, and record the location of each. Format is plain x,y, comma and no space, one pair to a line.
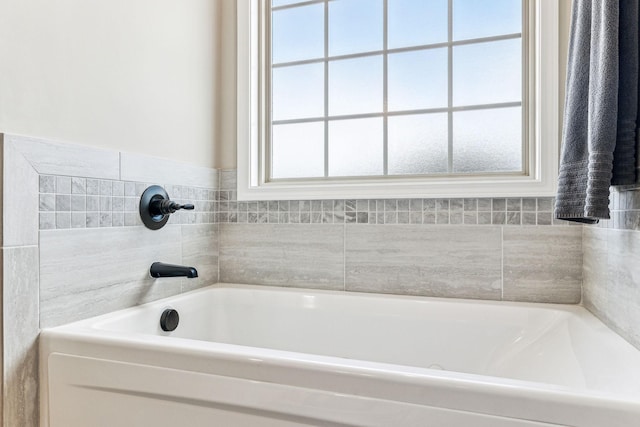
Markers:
601,108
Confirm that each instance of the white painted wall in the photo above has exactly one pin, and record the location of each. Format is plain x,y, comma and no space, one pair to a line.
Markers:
130,75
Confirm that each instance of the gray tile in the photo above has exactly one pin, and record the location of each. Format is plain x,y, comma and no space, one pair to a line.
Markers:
529,205
20,204
117,188
429,217
529,218
200,250
622,290
78,185
484,205
117,219
117,204
63,219
544,218
498,205
78,202
20,323
543,264
47,220
470,204
93,187
362,205
415,217
390,205
77,270
416,205
595,270
390,217
484,218
514,205
281,255
142,168
429,205
456,217
63,185
105,204
129,188
499,218
470,218
47,184
93,203
132,219
47,202
63,202
403,205
106,188
54,158
456,204
93,219
514,218
545,204
441,218
420,260
78,219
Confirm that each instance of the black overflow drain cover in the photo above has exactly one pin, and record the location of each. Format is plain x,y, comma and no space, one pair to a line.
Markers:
169,320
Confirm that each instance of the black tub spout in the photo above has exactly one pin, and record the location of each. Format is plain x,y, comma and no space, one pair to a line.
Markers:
160,269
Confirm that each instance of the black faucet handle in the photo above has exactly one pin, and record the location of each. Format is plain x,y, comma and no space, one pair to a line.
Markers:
186,206
166,206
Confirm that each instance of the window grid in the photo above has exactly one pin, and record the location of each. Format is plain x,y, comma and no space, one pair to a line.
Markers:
385,114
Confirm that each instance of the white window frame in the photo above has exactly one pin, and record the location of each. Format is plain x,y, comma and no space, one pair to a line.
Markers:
543,116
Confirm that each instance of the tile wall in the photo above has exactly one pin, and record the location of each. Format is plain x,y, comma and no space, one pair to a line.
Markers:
73,246
71,211
495,249
611,287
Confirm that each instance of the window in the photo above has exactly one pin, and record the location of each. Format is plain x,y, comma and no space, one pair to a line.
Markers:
396,98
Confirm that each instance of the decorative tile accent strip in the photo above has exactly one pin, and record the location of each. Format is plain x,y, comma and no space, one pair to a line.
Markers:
470,211
78,202
512,211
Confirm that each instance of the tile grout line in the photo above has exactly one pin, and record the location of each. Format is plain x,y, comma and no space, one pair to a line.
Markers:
502,263
344,258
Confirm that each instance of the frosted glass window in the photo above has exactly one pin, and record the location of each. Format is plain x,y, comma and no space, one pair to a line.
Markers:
355,86
396,87
477,18
298,33
487,73
418,80
418,144
297,92
487,140
417,22
298,150
356,147
355,26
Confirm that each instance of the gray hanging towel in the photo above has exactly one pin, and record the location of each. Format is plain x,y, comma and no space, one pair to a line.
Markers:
601,108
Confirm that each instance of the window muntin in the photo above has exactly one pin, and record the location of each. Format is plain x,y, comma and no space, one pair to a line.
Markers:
368,83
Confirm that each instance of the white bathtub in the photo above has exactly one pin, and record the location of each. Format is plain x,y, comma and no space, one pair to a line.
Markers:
259,356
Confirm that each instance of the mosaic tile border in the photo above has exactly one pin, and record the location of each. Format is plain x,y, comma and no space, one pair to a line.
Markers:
443,211
78,202
484,211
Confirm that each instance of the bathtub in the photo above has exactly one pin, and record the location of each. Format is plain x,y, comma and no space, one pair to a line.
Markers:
260,356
